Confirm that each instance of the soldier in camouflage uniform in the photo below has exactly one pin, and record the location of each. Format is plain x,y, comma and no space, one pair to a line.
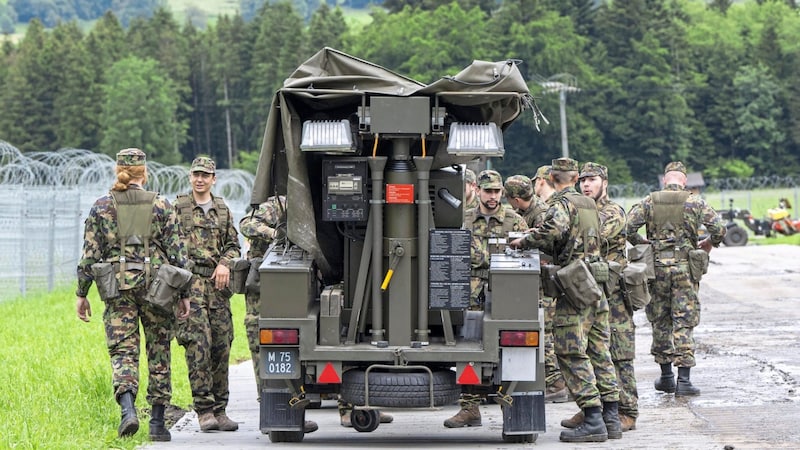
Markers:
470,188
672,217
579,333
488,221
211,240
594,183
519,193
133,263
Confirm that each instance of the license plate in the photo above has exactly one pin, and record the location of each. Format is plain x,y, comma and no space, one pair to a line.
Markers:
279,363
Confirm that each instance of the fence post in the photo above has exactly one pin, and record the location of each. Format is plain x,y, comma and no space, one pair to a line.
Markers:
51,243
23,254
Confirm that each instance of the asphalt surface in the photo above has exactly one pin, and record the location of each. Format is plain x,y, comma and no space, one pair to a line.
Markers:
748,368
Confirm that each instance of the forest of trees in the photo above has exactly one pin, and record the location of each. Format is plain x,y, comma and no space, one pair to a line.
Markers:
713,83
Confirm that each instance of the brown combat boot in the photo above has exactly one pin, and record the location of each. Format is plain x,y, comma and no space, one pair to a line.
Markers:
468,416
310,426
573,421
208,422
557,392
628,422
225,423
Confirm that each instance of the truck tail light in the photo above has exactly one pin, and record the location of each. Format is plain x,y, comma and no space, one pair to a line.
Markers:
519,338
279,336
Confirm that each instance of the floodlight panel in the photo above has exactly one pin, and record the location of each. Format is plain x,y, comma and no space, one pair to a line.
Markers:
327,136
479,139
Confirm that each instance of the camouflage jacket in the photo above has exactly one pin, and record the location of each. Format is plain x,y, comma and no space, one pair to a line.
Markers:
259,225
559,234
535,213
206,243
483,227
100,241
675,237
612,230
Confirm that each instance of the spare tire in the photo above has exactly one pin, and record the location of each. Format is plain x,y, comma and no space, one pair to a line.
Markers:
400,389
736,236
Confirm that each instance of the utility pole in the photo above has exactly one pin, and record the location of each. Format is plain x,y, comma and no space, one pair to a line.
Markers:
561,83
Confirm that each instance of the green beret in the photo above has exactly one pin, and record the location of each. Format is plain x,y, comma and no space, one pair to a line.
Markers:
131,157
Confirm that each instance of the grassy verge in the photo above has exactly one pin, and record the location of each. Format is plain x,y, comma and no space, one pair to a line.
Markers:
55,386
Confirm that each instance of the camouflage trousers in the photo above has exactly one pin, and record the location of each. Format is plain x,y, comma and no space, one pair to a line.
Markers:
121,320
673,312
251,314
581,345
207,335
623,351
551,369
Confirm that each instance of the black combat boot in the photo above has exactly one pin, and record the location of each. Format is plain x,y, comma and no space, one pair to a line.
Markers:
685,387
593,429
129,423
667,381
158,432
611,418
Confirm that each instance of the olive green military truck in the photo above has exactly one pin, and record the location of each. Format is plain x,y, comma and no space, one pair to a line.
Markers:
368,296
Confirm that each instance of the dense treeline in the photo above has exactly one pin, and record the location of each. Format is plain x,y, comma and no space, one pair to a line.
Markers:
711,83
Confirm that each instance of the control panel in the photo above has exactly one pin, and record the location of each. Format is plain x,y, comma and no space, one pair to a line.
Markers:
344,187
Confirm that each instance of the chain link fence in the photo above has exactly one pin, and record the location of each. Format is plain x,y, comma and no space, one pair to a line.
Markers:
46,196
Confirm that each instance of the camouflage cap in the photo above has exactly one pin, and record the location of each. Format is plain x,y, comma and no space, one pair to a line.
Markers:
203,164
591,169
565,165
675,166
490,179
469,176
543,172
131,157
519,186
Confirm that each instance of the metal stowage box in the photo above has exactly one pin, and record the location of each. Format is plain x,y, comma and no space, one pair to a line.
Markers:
287,284
521,294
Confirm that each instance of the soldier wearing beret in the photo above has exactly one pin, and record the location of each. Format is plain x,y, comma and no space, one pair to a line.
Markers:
133,232
212,242
489,220
571,231
672,218
594,184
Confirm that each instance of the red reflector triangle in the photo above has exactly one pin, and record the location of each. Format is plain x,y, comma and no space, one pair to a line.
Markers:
329,375
468,376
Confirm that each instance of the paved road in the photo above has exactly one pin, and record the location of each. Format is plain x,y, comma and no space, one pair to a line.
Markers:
748,371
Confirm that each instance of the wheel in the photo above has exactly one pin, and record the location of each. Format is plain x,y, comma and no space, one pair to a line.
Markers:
736,236
520,438
286,436
400,389
365,420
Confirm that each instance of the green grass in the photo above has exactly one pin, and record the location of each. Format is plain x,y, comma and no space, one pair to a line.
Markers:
55,384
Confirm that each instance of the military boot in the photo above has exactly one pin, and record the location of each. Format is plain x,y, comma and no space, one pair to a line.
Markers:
208,422
225,422
685,387
573,421
611,418
310,426
129,423
592,429
557,392
628,422
667,381
158,432
469,415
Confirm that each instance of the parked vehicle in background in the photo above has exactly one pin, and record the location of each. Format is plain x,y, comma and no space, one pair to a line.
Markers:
778,221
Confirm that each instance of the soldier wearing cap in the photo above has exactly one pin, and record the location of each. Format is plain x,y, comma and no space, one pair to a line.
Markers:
594,184
571,231
519,193
208,232
542,184
672,218
470,190
490,220
132,232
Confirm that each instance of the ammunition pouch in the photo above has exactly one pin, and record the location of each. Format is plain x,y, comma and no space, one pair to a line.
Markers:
643,253
240,267
105,278
549,283
698,264
614,274
169,280
635,290
579,286
253,283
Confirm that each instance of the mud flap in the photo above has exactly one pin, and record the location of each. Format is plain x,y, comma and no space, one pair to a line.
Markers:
525,415
276,414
